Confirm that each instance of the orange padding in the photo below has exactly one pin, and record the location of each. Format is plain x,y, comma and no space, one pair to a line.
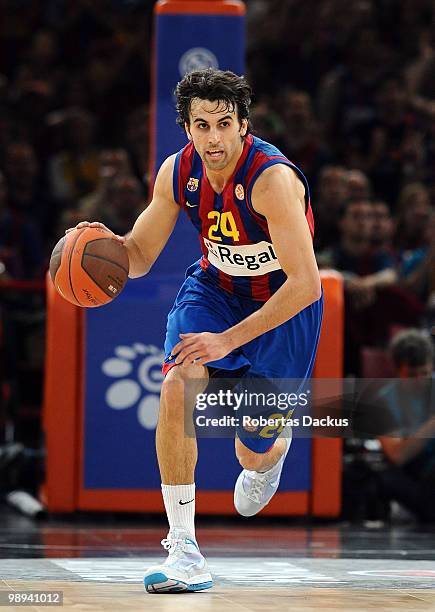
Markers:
61,400
327,452
200,7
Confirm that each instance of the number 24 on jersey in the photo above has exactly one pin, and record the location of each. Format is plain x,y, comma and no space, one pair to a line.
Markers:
225,224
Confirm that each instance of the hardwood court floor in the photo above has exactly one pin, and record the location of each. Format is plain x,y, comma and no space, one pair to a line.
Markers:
119,597
98,562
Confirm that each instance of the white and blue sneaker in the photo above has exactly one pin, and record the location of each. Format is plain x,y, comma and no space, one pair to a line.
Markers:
254,490
184,570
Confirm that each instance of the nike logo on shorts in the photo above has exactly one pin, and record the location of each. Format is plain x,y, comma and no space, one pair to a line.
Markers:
182,503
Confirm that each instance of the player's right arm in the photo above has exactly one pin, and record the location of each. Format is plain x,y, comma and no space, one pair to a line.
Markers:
154,225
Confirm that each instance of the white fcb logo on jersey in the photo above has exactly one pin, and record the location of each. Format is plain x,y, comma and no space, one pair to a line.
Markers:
192,184
244,260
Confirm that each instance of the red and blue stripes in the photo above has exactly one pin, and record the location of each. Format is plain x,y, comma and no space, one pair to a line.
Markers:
193,192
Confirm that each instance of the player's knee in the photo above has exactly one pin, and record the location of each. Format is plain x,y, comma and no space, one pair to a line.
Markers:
171,393
179,390
185,373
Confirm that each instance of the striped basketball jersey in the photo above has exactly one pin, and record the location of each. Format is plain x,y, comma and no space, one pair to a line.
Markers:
237,250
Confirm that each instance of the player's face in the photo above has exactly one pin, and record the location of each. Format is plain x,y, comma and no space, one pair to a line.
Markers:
216,133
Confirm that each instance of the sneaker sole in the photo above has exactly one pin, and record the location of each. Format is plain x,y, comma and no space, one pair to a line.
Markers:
161,583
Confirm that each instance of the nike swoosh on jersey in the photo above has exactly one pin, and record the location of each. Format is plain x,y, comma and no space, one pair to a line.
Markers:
191,205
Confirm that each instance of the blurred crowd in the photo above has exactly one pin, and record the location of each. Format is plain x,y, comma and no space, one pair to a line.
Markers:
74,89
344,89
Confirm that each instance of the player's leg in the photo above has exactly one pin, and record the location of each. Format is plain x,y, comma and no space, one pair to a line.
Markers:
176,448
185,569
262,466
198,307
260,462
176,444
283,359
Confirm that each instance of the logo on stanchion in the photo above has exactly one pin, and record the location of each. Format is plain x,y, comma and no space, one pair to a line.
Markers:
137,370
197,58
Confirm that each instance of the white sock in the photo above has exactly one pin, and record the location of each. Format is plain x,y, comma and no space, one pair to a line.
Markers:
180,506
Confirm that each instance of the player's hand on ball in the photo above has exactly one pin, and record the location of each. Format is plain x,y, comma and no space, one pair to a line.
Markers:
96,224
201,348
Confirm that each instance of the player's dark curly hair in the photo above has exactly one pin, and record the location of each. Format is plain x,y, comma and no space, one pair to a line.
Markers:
215,86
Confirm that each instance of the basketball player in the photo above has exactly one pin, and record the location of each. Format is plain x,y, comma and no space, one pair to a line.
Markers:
252,304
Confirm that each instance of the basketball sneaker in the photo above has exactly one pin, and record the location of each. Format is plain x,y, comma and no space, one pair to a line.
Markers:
185,569
254,490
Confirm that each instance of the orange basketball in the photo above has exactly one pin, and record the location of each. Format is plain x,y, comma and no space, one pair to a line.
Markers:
89,267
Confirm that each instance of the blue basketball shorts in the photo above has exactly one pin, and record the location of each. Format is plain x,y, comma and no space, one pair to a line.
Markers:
286,352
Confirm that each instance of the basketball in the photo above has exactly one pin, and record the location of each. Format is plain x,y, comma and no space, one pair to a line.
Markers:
89,267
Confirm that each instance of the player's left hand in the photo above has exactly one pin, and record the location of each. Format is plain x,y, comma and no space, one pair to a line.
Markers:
201,348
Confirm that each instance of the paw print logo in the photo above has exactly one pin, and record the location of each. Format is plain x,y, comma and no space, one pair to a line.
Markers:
136,368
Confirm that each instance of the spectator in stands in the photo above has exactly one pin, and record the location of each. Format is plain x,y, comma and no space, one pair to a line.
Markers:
383,228
409,403
21,246
396,152
346,97
413,213
35,89
354,255
27,195
358,185
418,266
123,202
336,185
332,192
40,69
419,72
267,124
113,162
303,134
74,171
369,275
137,142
